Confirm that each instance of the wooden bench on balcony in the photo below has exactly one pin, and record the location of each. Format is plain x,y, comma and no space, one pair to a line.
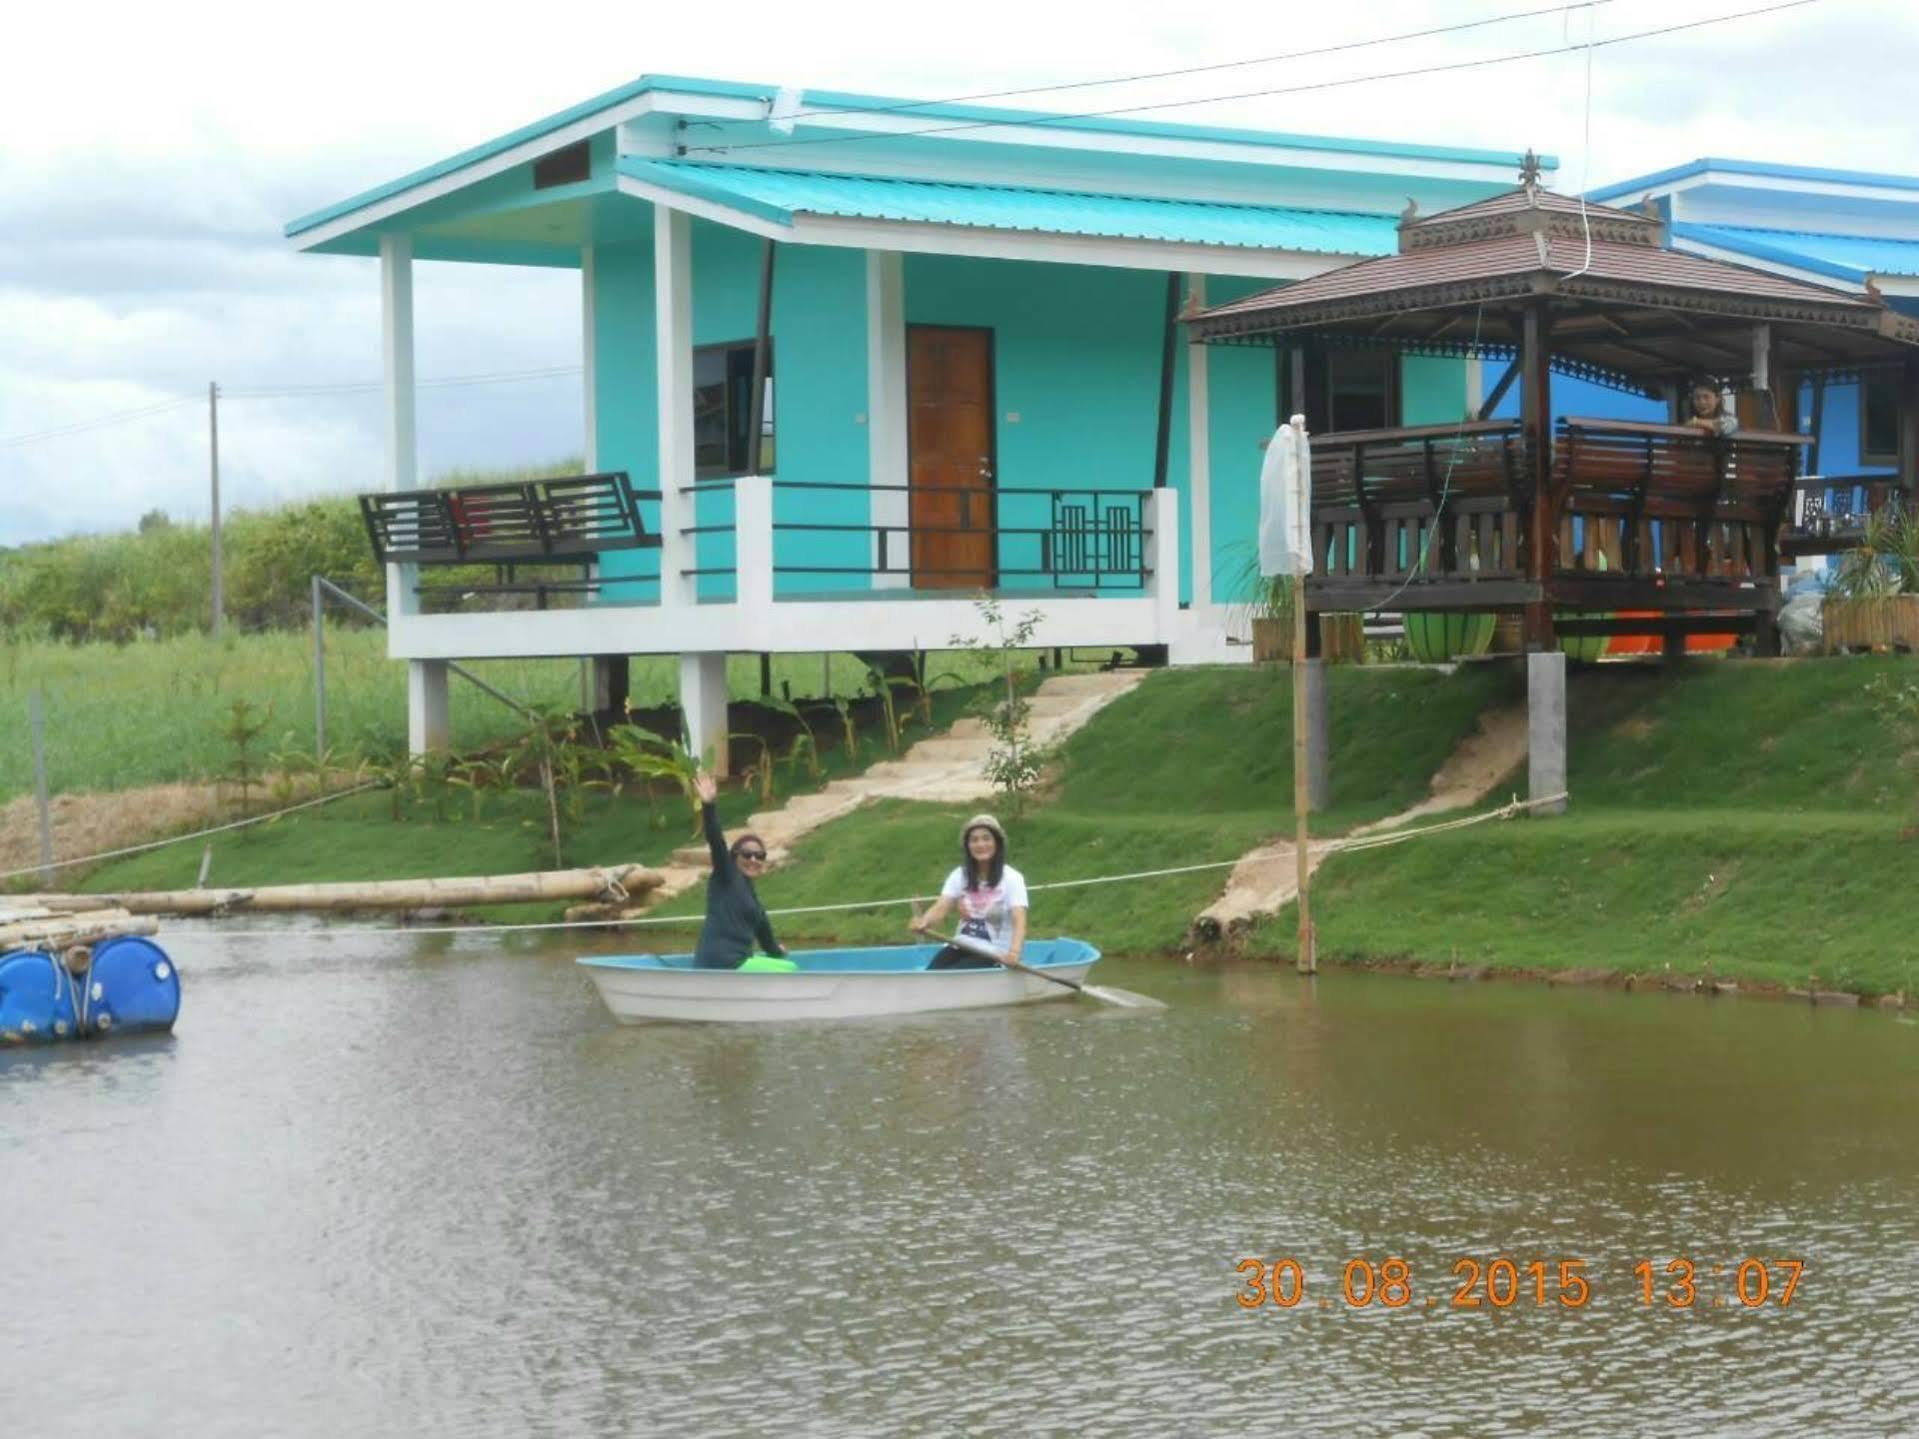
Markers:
565,520
1642,505
1426,505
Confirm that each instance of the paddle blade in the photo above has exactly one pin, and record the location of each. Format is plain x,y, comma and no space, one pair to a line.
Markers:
1124,998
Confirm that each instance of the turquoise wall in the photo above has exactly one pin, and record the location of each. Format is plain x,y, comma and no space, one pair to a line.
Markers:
625,401
1077,355
1242,407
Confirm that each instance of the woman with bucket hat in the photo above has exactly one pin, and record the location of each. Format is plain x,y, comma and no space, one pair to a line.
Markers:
989,894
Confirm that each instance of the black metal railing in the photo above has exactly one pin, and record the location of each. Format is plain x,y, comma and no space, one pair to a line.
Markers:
965,537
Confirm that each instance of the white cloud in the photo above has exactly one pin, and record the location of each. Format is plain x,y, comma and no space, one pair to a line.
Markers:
149,157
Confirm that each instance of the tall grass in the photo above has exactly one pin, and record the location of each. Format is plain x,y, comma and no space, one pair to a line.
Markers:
153,711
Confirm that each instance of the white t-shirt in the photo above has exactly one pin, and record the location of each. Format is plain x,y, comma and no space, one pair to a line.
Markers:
987,913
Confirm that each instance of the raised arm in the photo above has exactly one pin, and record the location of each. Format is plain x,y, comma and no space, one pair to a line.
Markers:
705,787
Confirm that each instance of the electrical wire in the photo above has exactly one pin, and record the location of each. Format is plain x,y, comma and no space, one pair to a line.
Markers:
908,106
100,422
1042,122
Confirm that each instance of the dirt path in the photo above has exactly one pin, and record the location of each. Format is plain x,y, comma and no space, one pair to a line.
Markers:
1266,879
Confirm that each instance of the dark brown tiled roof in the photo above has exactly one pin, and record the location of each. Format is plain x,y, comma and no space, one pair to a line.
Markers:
1527,243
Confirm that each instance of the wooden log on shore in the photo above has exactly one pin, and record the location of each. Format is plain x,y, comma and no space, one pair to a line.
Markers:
606,885
66,930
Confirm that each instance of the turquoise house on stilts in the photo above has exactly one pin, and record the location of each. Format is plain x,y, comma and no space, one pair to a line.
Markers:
851,362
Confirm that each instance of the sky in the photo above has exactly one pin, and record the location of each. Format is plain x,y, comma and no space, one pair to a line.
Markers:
150,157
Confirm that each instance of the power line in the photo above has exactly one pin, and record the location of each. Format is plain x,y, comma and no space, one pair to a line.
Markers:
286,392
907,106
1049,120
354,387
100,422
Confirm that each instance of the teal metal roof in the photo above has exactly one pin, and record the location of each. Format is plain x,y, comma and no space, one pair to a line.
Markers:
779,195
931,110
1709,165
1848,257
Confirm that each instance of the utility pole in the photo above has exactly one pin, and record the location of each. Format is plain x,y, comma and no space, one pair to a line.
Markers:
213,455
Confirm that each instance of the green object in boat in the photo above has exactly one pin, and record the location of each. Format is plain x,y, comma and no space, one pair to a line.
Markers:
767,964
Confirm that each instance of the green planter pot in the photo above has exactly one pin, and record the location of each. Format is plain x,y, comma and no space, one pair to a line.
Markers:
1585,649
1435,636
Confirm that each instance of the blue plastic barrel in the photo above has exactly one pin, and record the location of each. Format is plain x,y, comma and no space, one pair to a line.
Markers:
36,1000
132,986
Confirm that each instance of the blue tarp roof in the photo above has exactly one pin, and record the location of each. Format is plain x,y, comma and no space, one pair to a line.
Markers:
1850,257
779,195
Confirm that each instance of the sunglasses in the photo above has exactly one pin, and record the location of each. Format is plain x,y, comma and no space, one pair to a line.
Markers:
753,854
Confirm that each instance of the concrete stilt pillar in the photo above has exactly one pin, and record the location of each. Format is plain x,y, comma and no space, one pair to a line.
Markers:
1319,747
426,714
610,683
1546,728
703,699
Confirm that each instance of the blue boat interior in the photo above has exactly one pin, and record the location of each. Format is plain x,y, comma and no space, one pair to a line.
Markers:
885,959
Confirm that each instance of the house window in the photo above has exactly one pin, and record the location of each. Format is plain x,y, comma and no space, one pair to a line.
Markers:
1351,390
1879,420
722,409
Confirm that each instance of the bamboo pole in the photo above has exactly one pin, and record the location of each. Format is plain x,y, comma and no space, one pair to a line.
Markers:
602,884
1307,959
67,930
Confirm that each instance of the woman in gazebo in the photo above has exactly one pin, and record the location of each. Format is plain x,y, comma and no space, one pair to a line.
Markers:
1710,412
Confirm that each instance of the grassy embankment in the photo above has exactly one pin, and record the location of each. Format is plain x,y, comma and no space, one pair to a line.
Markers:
1745,821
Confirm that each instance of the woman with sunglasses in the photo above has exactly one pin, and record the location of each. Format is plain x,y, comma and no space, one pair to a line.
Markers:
736,927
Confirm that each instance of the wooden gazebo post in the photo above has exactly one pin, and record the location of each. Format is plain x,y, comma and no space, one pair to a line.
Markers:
1535,367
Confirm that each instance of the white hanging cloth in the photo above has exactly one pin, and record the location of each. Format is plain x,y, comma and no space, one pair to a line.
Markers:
1286,502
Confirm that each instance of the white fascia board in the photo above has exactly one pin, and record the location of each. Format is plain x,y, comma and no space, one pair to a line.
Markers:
1694,246
993,244
582,129
785,627
1057,137
705,209
1901,285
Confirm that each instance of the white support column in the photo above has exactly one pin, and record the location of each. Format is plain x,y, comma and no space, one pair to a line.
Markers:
426,711
589,360
753,554
703,699
1199,459
673,360
1546,728
886,452
1162,557
1475,385
402,436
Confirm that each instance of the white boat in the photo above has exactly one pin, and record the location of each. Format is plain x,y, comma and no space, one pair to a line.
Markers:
828,983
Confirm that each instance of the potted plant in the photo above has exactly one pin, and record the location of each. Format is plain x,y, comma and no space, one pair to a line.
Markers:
1873,600
1265,604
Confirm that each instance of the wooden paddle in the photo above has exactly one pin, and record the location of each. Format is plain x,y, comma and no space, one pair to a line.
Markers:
1124,998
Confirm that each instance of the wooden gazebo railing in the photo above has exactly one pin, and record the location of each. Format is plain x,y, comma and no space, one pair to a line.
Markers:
1644,515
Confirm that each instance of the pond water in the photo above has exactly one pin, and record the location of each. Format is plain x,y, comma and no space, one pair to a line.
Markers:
424,1186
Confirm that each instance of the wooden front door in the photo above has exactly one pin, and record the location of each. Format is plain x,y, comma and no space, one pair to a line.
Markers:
949,439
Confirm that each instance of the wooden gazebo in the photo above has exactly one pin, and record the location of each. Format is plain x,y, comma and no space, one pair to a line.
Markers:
1586,515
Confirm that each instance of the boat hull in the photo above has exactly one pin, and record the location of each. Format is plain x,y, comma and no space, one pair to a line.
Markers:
830,984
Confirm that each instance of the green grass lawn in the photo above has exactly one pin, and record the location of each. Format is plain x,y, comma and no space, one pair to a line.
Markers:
1193,766
151,712
1751,820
